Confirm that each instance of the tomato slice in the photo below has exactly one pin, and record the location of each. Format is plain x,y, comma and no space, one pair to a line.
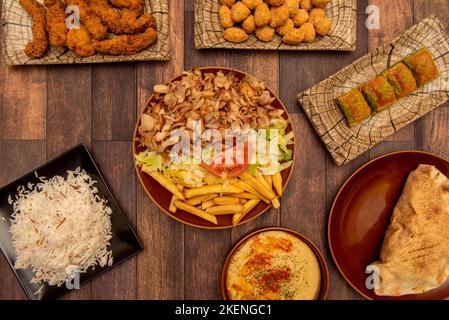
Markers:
219,168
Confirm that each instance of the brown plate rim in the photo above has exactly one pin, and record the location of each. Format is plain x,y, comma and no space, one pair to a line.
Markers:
325,278
202,69
331,214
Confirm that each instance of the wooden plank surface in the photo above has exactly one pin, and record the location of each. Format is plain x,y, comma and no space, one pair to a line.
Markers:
46,110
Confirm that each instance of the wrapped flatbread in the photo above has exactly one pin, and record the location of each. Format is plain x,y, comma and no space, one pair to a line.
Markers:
415,252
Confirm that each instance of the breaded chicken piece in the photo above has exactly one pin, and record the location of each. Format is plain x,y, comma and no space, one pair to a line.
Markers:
239,12
134,5
92,22
37,47
225,17
262,15
235,35
55,20
80,41
124,21
127,44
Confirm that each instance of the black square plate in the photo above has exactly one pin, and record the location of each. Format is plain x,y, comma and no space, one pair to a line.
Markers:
124,243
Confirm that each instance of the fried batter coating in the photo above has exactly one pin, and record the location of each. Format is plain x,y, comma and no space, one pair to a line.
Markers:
239,12
279,16
235,35
126,44
323,26
286,27
225,17
320,3
228,3
249,25
293,37
316,14
306,4
134,5
90,19
55,20
277,3
252,4
265,33
293,6
262,15
124,21
301,17
37,47
79,41
309,32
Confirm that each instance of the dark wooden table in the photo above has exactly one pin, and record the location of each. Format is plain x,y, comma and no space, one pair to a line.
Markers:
46,110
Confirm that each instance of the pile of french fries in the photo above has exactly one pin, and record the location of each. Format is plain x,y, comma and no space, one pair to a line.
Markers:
237,198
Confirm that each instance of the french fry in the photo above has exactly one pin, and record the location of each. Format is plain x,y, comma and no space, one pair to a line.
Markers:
261,179
248,188
195,211
164,181
247,207
275,202
259,186
269,180
207,204
200,199
243,201
224,200
217,188
246,195
226,209
172,207
277,183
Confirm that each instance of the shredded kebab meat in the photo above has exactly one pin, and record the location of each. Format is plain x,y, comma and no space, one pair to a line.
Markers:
218,101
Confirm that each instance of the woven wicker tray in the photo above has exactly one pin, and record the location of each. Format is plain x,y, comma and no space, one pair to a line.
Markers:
17,32
345,143
209,32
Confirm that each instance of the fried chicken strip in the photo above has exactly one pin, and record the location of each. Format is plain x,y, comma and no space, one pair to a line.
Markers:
127,44
92,22
121,21
55,20
134,5
37,47
80,41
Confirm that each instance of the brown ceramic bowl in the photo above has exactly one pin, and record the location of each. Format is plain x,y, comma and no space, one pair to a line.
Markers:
161,197
361,214
321,261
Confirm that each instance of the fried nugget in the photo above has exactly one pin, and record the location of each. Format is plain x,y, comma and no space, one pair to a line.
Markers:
293,6
316,14
262,15
306,4
79,41
225,17
228,3
235,35
309,32
249,25
277,3
252,4
92,22
323,26
134,5
265,33
301,17
37,47
239,12
279,16
123,21
320,3
126,44
293,37
286,27
55,20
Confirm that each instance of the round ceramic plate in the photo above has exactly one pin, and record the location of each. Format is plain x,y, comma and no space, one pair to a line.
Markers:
361,214
321,261
161,197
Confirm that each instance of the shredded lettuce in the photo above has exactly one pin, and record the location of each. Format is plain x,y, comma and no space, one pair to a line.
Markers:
150,160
